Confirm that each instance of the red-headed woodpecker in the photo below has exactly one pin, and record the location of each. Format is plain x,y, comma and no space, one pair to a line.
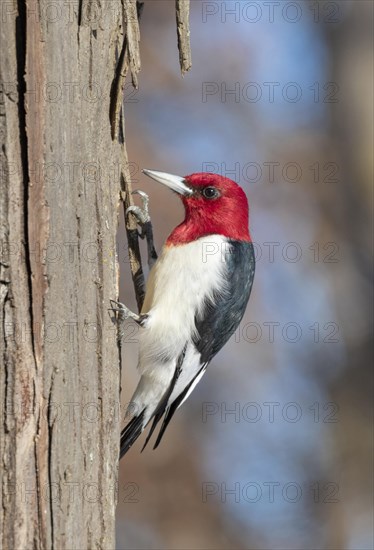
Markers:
197,292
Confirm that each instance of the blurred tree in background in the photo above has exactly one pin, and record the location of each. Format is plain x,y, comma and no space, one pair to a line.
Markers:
274,447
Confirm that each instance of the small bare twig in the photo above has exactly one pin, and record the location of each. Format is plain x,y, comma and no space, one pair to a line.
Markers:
183,30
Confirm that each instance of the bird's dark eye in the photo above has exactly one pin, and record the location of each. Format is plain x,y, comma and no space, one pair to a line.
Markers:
210,192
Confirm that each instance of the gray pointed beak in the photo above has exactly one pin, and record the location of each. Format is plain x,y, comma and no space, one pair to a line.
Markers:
176,183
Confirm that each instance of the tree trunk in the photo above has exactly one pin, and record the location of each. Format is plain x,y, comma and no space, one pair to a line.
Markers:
60,190
63,172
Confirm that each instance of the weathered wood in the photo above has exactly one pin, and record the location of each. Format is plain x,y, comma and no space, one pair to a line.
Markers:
60,193
129,58
183,31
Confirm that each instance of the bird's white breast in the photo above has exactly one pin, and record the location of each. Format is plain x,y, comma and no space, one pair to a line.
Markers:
181,280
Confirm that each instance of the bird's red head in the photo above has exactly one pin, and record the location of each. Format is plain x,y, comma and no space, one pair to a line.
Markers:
214,205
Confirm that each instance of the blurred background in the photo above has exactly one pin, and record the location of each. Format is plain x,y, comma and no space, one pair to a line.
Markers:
273,449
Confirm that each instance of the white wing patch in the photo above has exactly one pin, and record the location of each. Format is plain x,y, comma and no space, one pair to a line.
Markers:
191,366
193,385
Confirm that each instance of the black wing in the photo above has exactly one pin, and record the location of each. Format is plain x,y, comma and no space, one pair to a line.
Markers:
221,317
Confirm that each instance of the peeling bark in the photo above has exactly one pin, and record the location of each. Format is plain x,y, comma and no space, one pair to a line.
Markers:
129,58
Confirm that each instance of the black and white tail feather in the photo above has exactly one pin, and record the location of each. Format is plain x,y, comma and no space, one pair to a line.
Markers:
176,345
135,427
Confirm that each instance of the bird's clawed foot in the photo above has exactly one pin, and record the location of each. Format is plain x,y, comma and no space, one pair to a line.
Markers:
125,313
140,212
144,220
